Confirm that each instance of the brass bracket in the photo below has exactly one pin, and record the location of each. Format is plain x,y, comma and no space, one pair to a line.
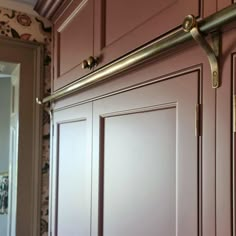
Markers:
38,101
190,25
48,110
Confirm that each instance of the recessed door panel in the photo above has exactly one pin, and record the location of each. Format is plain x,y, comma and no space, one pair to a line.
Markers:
73,213
134,13
140,173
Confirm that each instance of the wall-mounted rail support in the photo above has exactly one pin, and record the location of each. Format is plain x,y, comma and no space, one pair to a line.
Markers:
190,25
155,48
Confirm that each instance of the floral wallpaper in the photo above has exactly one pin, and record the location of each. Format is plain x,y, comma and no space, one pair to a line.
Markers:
26,27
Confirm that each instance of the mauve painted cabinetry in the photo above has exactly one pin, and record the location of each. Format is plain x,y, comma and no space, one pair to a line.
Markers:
108,29
73,42
126,160
224,3
129,163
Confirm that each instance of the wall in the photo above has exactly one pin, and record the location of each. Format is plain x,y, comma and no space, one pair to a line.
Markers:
5,86
23,26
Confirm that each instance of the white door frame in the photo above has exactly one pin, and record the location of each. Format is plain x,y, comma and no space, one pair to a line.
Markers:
13,150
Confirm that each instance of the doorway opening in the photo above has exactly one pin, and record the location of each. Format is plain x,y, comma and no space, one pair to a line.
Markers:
9,132
27,130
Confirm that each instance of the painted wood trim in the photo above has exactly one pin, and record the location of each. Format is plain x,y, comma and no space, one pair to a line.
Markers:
34,206
37,148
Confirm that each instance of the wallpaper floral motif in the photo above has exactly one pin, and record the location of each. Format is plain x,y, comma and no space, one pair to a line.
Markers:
26,27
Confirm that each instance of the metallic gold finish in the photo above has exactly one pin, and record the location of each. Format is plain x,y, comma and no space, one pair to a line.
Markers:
216,43
150,51
92,62
84,64
38,101
190,25
197,120
234,113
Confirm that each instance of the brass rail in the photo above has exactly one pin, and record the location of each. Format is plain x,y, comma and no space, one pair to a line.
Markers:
147,52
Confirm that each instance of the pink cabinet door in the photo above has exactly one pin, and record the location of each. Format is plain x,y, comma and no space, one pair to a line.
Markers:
121,26
110,29
73,42
71,172
147,161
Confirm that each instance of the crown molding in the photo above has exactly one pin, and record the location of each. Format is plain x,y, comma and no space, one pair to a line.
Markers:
49,8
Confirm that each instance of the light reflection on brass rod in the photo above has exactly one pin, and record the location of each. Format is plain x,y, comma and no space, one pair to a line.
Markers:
151,50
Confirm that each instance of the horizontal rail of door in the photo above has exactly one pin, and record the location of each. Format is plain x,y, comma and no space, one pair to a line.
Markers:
208,25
